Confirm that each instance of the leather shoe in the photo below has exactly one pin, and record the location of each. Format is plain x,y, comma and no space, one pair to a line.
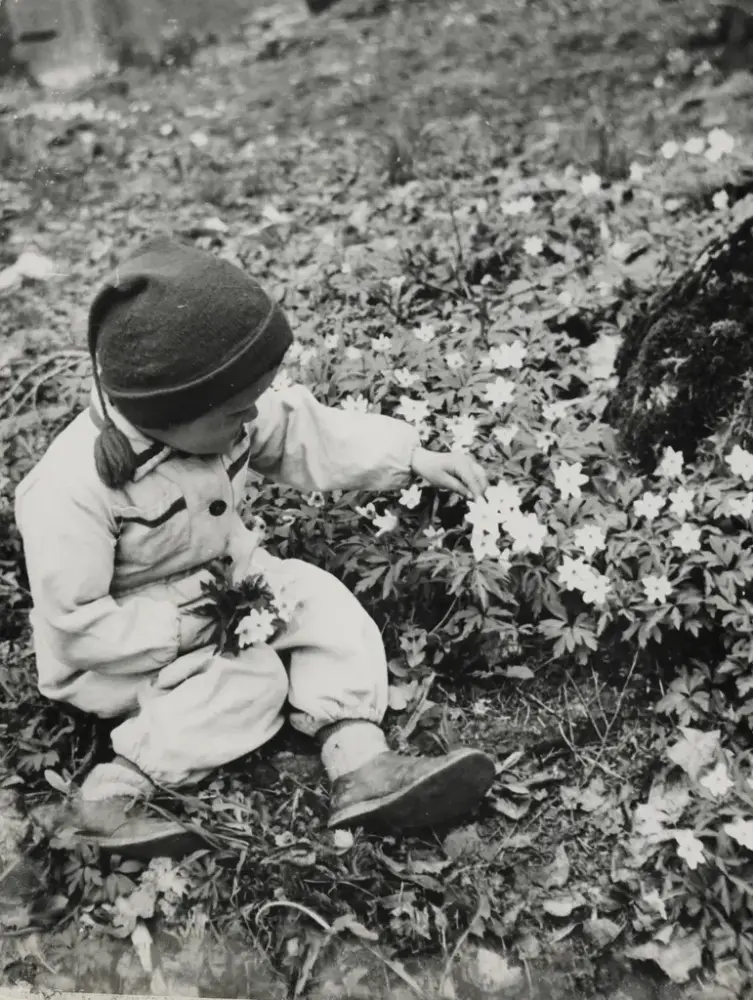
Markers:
401,793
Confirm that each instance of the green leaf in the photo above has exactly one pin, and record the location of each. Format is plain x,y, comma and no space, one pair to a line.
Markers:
551,627
369,581
695,750
54,780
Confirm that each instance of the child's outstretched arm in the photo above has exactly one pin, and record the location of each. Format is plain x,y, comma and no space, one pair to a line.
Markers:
69,537
300,442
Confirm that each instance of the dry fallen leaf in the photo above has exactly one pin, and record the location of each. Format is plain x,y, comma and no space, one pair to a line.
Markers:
588,799
274,216
529,946
670,798
563,906
142,943
490,972
425,866
601,356
348,922
519,673
400,696
211,227
360,216
9,278
558,873
464,841
513,810
509,761
31,266
35,266
560,933
676,959
600,931
342,839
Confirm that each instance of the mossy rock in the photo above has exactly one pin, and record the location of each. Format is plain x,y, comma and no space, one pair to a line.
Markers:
685,365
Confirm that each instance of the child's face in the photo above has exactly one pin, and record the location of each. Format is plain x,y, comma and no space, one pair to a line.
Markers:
215,432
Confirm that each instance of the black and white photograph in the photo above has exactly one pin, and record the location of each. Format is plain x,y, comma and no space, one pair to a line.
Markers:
376,499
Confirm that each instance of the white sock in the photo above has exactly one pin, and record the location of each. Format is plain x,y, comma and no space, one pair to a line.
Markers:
107,781
350,746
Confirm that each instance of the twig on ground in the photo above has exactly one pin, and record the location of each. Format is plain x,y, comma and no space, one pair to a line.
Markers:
529,977
581,756
445,617
327,928
276,904
458,945
594,763
212,839
569,742
398,970
584,703
85,762
622,694
460,259
597,69
597,691
611,722
73,356
537,701
31,395
569,719
456,231
407,731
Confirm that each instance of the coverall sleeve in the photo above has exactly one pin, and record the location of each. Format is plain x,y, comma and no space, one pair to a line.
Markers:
300,442
69,546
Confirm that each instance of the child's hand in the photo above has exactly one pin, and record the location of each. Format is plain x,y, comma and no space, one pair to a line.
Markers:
451,470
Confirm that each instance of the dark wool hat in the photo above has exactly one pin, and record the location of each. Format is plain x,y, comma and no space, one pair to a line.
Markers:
176,331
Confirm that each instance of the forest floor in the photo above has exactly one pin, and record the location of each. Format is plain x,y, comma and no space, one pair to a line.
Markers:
288,129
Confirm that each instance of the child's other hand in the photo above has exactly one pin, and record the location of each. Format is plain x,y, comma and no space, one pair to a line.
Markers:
451,470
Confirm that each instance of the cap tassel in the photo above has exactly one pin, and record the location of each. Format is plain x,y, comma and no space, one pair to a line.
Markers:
114,457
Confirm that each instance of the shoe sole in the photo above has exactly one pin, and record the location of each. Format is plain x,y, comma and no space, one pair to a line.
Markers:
172,841
448,793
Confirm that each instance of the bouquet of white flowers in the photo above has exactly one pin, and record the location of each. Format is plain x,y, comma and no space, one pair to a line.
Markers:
244,613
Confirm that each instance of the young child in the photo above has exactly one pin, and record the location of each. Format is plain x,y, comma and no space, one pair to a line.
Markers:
135,498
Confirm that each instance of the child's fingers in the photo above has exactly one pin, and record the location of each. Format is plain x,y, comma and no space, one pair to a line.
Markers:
451,481
473,477
479,482
483,478
467,489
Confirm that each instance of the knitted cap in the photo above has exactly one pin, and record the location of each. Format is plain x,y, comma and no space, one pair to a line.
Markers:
175,331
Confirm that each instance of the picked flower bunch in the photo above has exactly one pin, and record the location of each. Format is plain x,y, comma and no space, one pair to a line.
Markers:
244,613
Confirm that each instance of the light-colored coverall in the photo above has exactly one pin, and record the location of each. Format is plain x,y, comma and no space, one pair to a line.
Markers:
113,572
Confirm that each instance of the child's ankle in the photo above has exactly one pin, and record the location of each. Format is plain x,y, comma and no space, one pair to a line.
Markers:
117,779
348,745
